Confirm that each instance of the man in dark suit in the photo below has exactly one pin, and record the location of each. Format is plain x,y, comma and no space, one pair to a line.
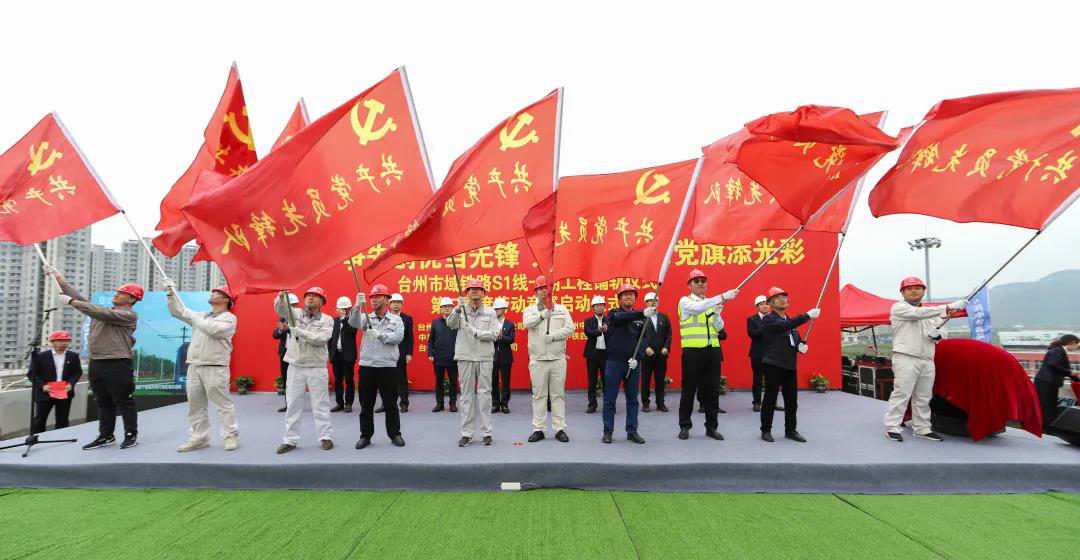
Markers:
342,346
657,347
441,343
56,364
783,344
281,334
755,330
405,351
504,360
595,349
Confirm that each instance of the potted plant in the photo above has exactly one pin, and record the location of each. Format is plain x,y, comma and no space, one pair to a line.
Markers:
723,385
279,384
819,383
243,383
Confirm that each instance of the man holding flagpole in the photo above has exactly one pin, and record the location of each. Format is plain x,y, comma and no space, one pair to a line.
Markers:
624,332
474,351
549,325
701,328
306,352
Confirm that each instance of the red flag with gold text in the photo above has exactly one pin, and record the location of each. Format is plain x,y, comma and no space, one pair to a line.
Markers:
228,148
1003,158
338,186
487,191
47,188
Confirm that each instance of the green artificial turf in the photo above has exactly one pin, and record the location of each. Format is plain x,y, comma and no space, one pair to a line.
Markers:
146,524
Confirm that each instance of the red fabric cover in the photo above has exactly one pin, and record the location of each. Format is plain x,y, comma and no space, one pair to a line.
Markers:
860,308
988,384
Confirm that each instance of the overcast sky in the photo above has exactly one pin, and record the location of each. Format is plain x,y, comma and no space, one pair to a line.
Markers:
646,83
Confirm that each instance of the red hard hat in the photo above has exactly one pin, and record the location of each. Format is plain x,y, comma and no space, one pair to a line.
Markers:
379,290
475,283
775,291
59,335
224,290
626,288
911,281
541,282
317,291
133,290
696,273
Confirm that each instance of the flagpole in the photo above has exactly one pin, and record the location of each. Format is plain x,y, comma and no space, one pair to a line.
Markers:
45,262
145,246
356,279
770,257
824,285
555,187
992,276
671,246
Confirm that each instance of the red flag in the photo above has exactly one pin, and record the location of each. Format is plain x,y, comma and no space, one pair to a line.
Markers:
1003,158
336,187
732,207
297,121
47,188
805,158
228,147
607,225
487,191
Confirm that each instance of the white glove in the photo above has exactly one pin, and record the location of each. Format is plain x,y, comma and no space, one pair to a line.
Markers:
50,271
730,295
649,312
461,301
814,313
361,299
633,363
958,305
545,314
64,299
170,286
803,347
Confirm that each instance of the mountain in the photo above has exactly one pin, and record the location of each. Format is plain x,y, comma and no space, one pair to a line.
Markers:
1049,302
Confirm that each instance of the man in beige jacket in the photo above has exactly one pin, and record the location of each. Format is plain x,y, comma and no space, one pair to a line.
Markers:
208,359
549,325
307,352
474,351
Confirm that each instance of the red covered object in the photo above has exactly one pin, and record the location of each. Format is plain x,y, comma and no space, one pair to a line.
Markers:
860,308
988,384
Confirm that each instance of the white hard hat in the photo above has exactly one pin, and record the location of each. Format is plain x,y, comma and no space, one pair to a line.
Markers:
293,300
397,297
650,296
760,299
598,300
445,301
500,303
343,303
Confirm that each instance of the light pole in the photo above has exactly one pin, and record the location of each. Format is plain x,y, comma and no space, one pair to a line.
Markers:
925,243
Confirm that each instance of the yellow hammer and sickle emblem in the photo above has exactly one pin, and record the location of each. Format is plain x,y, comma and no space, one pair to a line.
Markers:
244,137
648,196
509,139
366,132
36,155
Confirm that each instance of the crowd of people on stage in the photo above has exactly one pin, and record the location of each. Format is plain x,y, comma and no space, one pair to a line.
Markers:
469,347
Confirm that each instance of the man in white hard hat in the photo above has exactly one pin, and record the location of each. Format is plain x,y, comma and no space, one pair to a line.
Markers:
657,347
343,357
504,360
405,352
549,325
309,332
596,328
281,334
441,342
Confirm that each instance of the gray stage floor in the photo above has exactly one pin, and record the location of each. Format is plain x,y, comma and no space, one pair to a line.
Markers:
847,452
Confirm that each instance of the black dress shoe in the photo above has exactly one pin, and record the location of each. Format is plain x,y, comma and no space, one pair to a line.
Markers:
757,407
464,441
795,436
645,407
403,408
495,409
634,437
591,409
561,436
701,409
438,408
283,409
606,438
684,433
720,411
505,409
780,408
767,436
453,408
348,408
338,408
398,441
714,434
488,440
364,442
536,436
662,408
380,409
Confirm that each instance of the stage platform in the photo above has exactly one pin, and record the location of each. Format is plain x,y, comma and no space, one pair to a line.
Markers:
847,452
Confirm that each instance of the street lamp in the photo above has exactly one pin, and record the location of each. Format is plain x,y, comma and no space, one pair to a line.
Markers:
925,243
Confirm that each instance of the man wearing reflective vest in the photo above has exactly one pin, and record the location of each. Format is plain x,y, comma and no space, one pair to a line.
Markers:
783,344
701,328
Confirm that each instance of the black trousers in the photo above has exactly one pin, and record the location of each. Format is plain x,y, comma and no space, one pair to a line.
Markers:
284,371
594,371
758,369
403,381
1048,399
442,372
113,384
41,413
500,392
653,368
344,380
384,382
777,380
701,377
